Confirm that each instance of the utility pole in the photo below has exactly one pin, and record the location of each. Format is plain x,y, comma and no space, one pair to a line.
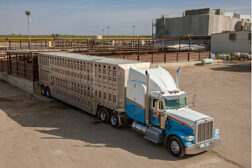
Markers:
7,43
108,30
103,37
152,28
28,13
138,55
103,32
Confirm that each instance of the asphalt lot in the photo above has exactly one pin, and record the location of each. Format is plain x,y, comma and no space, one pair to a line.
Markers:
51,134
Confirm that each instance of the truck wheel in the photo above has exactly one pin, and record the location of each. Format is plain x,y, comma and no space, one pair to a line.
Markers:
43,90
103,115
176,147
114,120
48,93
127,122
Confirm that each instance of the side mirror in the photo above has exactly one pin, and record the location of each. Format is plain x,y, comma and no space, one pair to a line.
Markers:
191,101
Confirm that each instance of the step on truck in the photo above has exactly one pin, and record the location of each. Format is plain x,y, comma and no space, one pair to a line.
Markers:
122,92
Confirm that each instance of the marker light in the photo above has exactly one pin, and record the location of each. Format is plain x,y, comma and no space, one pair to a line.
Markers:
216,131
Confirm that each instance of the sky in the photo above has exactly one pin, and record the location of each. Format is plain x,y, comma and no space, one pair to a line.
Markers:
89,17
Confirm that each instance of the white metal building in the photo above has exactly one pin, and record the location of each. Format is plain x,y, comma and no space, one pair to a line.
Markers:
198,22
230,42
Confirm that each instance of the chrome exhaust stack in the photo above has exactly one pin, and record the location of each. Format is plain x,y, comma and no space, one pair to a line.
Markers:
177,77
147,99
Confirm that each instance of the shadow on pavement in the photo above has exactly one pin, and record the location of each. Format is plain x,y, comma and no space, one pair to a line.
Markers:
57,120
234,68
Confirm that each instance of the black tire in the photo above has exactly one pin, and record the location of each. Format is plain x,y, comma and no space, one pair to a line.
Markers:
114,122
103,115
48,92
176,146
127,122
43,90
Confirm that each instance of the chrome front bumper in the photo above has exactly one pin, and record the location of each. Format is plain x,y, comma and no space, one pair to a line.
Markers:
198,148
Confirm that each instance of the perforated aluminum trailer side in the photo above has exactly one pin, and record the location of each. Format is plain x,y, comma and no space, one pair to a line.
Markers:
86,82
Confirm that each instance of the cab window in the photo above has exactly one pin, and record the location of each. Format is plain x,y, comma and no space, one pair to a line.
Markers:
154,102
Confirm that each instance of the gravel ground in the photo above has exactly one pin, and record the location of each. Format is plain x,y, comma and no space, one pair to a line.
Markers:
50,134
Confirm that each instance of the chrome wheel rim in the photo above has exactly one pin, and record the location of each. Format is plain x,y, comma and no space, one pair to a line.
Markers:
175,147
103,116
47,93
113,120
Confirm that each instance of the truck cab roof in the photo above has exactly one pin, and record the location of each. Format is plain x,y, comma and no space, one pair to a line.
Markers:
160,79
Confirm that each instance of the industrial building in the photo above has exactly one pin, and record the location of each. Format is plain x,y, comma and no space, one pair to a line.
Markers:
200,22
231,42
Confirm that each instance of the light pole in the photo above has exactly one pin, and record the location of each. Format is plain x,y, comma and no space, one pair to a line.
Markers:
103,32
108,30
152,29
133,32
28,13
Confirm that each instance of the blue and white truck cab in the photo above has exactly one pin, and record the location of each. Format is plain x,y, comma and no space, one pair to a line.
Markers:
160,112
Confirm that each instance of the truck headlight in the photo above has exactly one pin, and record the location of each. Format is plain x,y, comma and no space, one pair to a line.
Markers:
189,138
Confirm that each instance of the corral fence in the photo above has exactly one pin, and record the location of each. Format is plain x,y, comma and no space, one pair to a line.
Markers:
16,60
166,57
114,46
20,64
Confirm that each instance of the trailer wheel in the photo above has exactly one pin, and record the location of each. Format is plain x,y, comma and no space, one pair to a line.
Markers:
176,147
103,115
114,120
43,90
48,92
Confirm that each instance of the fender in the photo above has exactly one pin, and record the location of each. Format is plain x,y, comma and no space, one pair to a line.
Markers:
181,136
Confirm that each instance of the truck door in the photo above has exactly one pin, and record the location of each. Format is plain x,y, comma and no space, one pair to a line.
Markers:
156,106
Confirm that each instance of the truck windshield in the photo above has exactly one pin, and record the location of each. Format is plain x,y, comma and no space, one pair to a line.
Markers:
175,103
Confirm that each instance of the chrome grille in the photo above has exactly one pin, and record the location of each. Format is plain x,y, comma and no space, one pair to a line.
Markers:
204,131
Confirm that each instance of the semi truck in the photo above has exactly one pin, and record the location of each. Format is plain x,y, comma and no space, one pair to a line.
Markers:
126,92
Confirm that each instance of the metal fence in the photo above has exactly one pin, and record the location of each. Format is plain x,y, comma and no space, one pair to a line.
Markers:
115,46
23,65
166,57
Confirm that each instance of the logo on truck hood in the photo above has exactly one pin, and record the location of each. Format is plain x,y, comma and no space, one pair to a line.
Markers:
187,116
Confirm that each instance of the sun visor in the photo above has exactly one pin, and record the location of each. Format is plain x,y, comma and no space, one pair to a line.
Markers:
175,97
